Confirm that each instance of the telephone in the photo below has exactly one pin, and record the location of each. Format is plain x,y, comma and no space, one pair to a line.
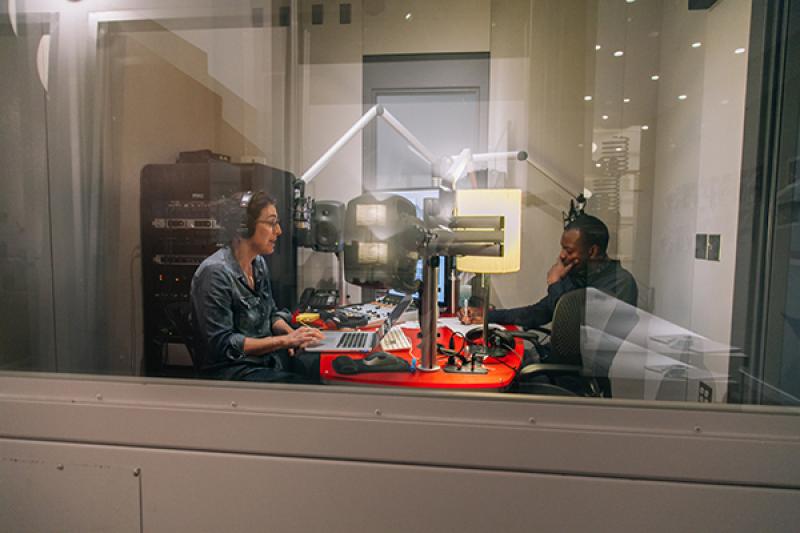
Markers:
314,300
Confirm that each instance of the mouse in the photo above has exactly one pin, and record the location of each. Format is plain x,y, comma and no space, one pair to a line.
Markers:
379,359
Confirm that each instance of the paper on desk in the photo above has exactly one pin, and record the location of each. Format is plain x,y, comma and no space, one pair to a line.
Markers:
453,323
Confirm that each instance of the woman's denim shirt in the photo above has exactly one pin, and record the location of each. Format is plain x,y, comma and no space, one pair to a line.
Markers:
225,310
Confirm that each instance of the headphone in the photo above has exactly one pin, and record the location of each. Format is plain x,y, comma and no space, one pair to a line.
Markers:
247,223
497,338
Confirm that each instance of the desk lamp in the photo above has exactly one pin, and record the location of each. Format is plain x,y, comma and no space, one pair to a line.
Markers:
488,202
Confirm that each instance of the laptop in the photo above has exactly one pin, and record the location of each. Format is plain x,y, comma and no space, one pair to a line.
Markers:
360,341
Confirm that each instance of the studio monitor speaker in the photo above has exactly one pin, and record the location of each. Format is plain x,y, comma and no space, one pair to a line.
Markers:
327,225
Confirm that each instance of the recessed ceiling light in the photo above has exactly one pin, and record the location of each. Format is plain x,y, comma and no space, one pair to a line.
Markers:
626,100
618,149
645,127
408,16
587,98
655,77
597,47
598,165
629,1
619,53
739,51
682,97
604,117
697,44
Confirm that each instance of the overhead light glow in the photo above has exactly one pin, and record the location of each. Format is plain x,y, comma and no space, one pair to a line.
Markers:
682,97
604,117
655,77
597,47
697,44
619,53
739,51
629,1
626,100
408,16
587,98
598,165
645,127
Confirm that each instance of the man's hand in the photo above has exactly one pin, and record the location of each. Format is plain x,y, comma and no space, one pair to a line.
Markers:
559,271
470,315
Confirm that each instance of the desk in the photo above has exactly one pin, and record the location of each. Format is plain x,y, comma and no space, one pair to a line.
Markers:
501,371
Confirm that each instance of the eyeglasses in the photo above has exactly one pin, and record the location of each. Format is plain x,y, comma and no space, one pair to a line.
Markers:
270,223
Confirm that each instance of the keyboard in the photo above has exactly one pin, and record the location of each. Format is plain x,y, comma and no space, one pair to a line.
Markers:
354,339
395,339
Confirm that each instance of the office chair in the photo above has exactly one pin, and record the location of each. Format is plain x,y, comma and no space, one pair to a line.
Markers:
563,364
561,369
179,317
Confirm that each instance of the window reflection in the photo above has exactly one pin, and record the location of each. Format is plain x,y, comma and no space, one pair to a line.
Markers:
115,159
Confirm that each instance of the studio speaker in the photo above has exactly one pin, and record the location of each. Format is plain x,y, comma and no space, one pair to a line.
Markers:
327,225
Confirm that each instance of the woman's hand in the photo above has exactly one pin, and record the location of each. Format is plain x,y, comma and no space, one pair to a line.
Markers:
302,338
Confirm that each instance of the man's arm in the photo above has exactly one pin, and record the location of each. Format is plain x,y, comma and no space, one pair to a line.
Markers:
531,316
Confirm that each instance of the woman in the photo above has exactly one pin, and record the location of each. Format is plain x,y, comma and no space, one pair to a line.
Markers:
240,333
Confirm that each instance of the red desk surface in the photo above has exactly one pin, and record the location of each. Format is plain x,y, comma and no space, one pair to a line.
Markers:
501,371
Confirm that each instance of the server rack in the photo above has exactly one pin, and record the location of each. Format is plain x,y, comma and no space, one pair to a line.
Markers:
179,229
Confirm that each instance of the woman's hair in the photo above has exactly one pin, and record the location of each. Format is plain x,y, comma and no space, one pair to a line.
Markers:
238,214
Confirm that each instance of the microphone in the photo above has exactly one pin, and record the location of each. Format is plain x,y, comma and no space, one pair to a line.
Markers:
301,214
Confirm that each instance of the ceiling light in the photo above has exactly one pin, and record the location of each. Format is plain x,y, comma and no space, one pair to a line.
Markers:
697,44
598,165
604,117
619,53
408,16
597,47
645,127
629,1
682,97
587,98
626,100
739,51
655,77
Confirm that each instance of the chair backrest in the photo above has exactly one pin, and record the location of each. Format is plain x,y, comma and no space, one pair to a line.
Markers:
179,315
565,338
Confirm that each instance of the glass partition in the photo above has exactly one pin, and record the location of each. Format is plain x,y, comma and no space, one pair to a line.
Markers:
133,131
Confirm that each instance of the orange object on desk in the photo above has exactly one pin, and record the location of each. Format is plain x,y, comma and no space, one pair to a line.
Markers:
500,375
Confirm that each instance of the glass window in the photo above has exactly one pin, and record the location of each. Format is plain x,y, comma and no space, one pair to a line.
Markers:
658,197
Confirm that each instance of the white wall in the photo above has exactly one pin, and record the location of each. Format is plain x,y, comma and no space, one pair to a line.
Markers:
698,161
677,162
722,128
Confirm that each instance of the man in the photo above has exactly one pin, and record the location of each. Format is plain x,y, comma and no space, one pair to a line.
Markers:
240,333
583,262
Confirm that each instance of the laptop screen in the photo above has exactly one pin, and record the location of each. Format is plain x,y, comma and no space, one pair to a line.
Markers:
394,316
